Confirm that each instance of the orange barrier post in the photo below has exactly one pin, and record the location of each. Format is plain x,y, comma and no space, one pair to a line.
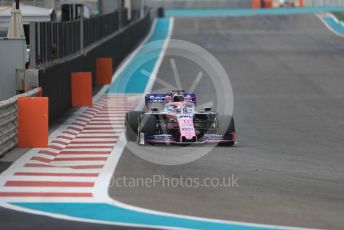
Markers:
268,3
81,89
256,4
33,122
103,71
302,3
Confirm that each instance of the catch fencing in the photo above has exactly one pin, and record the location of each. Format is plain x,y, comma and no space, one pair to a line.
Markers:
51,42
8,121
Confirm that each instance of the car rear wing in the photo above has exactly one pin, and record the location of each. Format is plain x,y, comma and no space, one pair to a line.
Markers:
162,98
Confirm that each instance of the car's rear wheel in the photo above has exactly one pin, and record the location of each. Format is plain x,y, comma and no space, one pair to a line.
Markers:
226,128
131,125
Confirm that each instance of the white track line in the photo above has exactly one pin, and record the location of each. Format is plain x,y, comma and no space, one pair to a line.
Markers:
321,18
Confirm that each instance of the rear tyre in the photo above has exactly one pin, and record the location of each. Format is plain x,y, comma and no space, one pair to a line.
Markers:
226,128
131,125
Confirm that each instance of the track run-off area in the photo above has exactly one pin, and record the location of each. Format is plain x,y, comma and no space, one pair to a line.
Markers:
286,74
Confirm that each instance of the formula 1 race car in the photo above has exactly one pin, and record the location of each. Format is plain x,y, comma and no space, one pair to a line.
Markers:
172,119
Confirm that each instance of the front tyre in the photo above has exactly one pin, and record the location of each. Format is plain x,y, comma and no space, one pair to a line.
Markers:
226,128
131,125
147,126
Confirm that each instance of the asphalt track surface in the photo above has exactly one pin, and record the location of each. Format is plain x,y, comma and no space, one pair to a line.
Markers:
287,77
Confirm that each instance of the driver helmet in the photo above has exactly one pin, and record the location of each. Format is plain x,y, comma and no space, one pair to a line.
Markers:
168,98
178,98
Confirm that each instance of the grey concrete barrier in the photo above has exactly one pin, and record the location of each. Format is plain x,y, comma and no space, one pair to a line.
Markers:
8,121
324,3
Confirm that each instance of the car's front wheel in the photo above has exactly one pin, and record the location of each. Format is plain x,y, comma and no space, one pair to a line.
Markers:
131,125
226,128
147,126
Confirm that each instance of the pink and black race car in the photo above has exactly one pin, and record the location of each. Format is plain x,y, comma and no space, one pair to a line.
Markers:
172,119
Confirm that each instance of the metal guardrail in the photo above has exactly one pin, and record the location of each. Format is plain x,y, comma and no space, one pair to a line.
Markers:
8,121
